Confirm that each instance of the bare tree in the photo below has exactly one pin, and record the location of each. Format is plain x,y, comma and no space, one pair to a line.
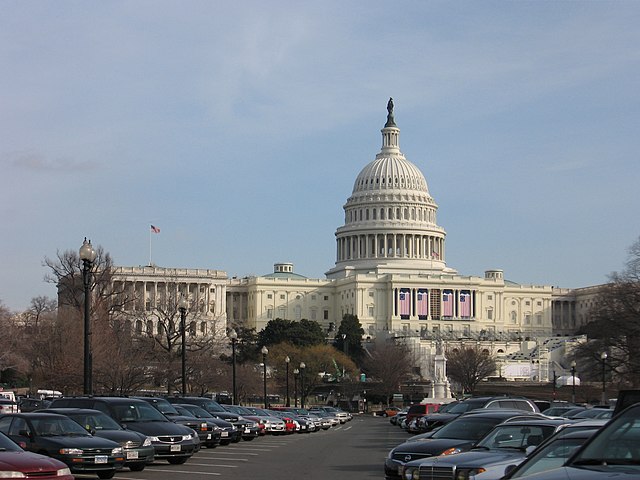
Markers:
469,365
389,365
614,327
40,306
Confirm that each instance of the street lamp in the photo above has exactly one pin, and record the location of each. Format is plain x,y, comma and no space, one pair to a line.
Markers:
302,367
286,362
182,308
295,387
573,380
264,371
233,335
603,357
345,344
87,255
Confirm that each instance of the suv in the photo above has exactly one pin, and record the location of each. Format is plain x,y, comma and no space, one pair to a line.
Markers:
429,422
172,442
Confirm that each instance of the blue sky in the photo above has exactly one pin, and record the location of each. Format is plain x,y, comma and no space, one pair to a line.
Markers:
238,128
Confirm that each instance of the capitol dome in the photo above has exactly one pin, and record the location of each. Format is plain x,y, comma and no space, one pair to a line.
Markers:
390,217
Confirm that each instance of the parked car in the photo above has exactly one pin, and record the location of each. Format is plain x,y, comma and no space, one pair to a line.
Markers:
435,420
28,404
613,452
247,428
228,431
137,449
266,422
594,413
171,442
386,411
18,463
302,424
61,438
203,430
551,454
506,444
8,406
454,437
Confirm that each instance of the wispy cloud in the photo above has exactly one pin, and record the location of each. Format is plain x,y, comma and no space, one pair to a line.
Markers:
38,162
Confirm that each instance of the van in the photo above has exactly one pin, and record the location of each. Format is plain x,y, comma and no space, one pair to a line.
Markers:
420,409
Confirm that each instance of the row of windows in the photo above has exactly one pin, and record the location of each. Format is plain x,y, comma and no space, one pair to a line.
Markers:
527,303
406,213
297,313
298,297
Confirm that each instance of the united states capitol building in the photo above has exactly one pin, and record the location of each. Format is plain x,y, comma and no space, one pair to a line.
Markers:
391,272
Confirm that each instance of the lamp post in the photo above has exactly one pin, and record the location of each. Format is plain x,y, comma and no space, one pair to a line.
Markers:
603,357
87,255
345,344
295,387
302,367
573,381
264,371
182,308
286,362
233,335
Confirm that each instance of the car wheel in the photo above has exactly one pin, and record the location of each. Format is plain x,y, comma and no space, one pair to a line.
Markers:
384,415
137,467
177,460
106,475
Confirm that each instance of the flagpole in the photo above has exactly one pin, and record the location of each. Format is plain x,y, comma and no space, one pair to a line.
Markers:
150,264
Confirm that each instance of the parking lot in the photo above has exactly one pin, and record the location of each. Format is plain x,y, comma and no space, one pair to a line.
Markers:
354,450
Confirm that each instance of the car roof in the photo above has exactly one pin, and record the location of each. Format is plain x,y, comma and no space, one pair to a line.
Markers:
506,412
539,421
66,410
34,415
106,399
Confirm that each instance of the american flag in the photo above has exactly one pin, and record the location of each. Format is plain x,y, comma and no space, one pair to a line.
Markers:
405,302
465,304
155,229
435,254
447,304
423,302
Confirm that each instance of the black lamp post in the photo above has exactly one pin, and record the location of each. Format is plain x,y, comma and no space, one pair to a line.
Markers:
182,308
345,344
573,381
286,362
264,371
233,335
603,357
295,387
302,367
87,255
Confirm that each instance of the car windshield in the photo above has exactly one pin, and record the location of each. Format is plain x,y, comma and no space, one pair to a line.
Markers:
463,407
467,428
95,421
137,412
239,410
8,445
165,407
516,436
553,455
212,406
56,425
615,445
196,411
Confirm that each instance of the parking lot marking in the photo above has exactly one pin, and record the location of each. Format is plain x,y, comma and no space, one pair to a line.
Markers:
213,465
184,471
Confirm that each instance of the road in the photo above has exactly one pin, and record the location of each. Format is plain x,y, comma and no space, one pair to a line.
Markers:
354,451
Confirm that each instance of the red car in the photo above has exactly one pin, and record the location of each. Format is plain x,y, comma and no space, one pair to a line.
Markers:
17,463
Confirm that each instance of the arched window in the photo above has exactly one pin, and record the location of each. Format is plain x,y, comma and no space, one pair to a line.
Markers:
139,327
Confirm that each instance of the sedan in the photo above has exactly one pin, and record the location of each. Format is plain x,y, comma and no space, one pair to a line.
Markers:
137,448
16,463
63,439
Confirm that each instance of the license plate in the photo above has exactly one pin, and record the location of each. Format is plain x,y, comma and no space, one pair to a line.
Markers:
224,434
175,448
132,454
101,459
247,430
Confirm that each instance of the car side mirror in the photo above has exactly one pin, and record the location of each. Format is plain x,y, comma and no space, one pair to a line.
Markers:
509,469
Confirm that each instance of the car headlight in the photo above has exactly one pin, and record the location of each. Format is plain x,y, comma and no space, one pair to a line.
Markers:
63,472
466,473
12,475
153,439
452,451
390,455
411,473
147,442
71,451
116,451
